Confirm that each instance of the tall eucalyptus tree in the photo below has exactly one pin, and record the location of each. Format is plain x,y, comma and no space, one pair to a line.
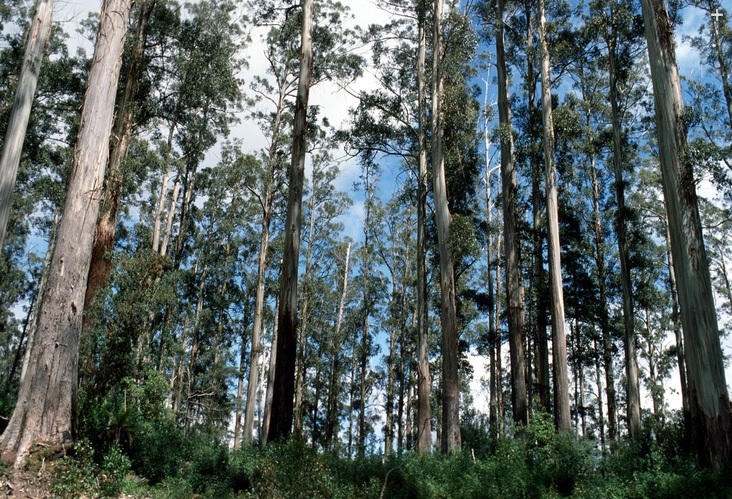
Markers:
711,412
54,359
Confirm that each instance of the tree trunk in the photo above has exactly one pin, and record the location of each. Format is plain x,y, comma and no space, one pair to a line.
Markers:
600,408
248,434
711,415
514,279
100,268
46,402
631,362
334,390
604,321
304,313
424,415
239,397
37,37
562,417
675,319
284,381
450,437
270,379
538,281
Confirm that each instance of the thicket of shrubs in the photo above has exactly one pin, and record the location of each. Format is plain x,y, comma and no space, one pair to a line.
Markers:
155,460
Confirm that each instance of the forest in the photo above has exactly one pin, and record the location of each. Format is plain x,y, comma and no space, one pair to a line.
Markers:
377,248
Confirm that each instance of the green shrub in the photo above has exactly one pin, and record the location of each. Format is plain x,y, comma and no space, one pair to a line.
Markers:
76,474
292,470
158,449
173,488
242,468
207,466
115,467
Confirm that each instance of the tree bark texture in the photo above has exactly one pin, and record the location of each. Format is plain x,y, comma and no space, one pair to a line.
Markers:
631,359
46,400
562,417
284,381
710,412
424,382
514,279
100,267
40,29
450,437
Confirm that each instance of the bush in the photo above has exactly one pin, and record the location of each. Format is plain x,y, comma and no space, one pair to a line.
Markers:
76,474
115,467
292,470
158,449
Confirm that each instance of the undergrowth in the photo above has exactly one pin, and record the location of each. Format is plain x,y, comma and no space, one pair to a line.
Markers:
537,463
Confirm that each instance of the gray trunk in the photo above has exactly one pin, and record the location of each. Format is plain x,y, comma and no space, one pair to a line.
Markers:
47,398
710,413
562,417
284,381
514,280
450,436
38,34
424,416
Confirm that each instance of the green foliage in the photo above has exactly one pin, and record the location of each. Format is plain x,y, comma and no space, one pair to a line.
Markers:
115,467
292,470
76,474
157,451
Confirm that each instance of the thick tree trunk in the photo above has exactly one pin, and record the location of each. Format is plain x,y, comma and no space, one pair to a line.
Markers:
284,380
562,417
450,437
514,279
678,334
38,33
711,415
47,398
100,268
424,415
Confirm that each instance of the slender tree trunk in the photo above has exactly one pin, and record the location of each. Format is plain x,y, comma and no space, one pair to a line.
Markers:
46,405
498,348
239,398
631,362
600,408
37,36
514,279
334,390
171,216
424,415
284,381
538,281
711,415
604,321
269,396
258,311
562,417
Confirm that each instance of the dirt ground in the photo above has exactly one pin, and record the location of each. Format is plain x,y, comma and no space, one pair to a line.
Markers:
21,484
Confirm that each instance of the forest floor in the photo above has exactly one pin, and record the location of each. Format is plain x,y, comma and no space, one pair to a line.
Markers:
26,484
